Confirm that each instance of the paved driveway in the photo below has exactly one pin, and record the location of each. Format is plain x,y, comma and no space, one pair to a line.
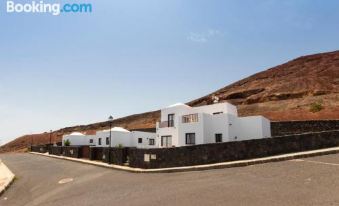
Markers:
312,181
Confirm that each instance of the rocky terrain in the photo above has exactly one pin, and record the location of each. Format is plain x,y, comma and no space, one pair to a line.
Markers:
287,91
306,88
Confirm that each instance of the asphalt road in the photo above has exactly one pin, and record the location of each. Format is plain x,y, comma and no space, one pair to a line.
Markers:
311,181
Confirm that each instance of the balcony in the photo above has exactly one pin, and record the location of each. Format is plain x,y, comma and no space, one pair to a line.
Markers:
166,124
190,118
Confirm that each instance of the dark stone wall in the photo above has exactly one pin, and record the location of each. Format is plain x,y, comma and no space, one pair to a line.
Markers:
231,151
95,153
72,151
105,155
55,150
39,148
118,156
298,127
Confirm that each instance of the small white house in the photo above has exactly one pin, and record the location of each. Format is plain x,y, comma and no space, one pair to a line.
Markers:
79,139
119,137
125,138
182,125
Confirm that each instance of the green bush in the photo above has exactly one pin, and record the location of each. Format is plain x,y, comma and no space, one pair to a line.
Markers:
316,107
67,143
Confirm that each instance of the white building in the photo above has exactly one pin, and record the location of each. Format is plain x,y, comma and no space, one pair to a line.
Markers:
119,137
78,139
182,125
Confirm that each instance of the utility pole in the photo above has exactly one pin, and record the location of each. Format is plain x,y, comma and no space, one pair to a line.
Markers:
110,119
50,137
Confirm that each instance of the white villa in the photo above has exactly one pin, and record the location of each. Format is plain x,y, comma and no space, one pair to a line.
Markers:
182,125
120,137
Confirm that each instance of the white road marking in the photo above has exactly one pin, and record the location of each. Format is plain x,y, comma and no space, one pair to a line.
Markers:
66,180
297,160
315,162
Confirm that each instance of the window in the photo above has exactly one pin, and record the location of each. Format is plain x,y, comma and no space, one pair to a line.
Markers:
217,113
151,142
190,118
166,141
107,140
99,143
190,138
170,120
90,140
218,137
139,140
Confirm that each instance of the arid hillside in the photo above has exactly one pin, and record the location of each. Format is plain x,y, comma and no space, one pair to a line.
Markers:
305,88
301,89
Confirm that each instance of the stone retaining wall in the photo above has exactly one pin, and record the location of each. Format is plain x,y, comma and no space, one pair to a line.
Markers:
55,150
95,153
118,156
72,151
39,148
298,127
230,151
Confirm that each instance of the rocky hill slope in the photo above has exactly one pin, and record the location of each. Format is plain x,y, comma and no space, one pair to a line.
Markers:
305,88
288,91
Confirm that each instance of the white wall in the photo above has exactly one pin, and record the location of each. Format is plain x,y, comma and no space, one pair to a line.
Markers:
145,136
181,110
177,110
192,127
127,139
225,108
252,127
266,125
118,138
215,124
78,140
168,131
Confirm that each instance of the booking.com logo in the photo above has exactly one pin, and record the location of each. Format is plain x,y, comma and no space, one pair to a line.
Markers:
42,7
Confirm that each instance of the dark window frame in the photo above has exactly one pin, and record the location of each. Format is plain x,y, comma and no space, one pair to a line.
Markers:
217,136
91,141
139,140
190,138
168,143
107,140
151,141
215,113
170,120
99,141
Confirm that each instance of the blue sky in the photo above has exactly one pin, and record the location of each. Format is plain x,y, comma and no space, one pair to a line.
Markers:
129,56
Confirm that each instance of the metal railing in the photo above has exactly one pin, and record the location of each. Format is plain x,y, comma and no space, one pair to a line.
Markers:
166,124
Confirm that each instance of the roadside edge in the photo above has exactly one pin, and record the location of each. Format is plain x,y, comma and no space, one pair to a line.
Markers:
239,163
7,175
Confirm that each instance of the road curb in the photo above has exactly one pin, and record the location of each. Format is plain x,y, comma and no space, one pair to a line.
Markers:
240,163
7,176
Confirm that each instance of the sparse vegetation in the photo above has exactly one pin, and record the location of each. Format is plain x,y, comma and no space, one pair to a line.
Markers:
316,107
119,146
67,143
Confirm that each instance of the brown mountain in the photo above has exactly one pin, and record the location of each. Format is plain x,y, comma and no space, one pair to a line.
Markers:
302,89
